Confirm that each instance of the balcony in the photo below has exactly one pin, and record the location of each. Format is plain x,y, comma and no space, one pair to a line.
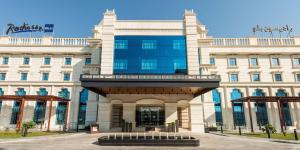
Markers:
150,84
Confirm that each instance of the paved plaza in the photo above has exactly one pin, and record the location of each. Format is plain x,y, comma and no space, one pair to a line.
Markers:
83,141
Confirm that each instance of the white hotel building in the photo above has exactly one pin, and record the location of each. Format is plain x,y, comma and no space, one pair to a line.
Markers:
150,73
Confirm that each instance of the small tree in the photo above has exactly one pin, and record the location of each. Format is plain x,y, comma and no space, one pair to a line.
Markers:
26,126
270,128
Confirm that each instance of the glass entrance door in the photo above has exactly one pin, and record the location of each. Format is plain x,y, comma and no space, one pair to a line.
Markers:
150,116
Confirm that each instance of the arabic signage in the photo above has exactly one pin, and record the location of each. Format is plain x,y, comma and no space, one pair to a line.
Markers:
25,27
272,30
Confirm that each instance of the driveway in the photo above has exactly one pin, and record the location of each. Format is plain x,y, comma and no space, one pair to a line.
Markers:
83,141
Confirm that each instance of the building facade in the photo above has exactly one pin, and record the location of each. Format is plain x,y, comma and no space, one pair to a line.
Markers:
150,74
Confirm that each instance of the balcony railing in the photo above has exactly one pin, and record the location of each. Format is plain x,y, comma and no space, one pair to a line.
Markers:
253,42
151,77
45,41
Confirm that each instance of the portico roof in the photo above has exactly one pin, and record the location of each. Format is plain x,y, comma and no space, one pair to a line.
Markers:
150,84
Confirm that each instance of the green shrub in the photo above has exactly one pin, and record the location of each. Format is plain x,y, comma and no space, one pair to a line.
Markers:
270,128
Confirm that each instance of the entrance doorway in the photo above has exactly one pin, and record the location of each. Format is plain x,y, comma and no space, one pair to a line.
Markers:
150,116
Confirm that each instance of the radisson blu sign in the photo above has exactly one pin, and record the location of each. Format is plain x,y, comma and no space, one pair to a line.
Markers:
25,27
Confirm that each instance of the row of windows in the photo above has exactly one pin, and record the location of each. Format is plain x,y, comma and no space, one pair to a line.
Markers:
255,77
47,60
260,108
40,107
45,76
253,62
149,44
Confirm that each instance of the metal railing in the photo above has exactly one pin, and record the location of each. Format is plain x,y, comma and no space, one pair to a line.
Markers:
151,77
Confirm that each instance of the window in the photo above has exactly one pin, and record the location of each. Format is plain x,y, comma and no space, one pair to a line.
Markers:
2,76
178,44
179,65
42,92
234,77
39,112
149,64
296,61
45,76
16,106
26,60
218,107
298,77
88,61
82,106
232,62
62,106
120,64
212,60
24,76
277,77
68,61
47,60
5,60
287,119
255,77
238,108
1,93
121,44
67,76
253,62
149,44
275,61
261,109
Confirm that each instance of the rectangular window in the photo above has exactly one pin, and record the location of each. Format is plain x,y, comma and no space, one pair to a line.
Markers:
255,77
61,113
149,64
178,44
5,60
0,105
149,44
68,61
120,64
212,60
45,76
24,76
2,76
277,77
26,60
88,61
15,112
298,77
234,77
47,60
121,44
296,61
275,61
67,76
232,62
253,62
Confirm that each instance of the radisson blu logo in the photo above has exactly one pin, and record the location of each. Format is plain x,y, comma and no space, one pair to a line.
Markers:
25,27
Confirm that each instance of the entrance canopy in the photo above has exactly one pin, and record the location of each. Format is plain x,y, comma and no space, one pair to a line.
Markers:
44,99
150,84
261,99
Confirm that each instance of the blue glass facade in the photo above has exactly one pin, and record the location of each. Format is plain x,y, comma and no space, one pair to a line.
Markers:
150,55
238,108
218,107
261,109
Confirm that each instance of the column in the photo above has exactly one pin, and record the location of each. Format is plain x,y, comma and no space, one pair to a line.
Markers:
104,114
228,115
196,115
129,113
170,112
209,109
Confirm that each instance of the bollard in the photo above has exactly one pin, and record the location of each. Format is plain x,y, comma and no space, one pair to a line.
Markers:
122,136
268,132
144,136
159,135
240,131
222,129
167,135
137,136
115,136
296,135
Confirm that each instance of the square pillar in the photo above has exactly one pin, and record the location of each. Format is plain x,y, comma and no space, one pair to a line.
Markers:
170,112
129,113
104,116
196,115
